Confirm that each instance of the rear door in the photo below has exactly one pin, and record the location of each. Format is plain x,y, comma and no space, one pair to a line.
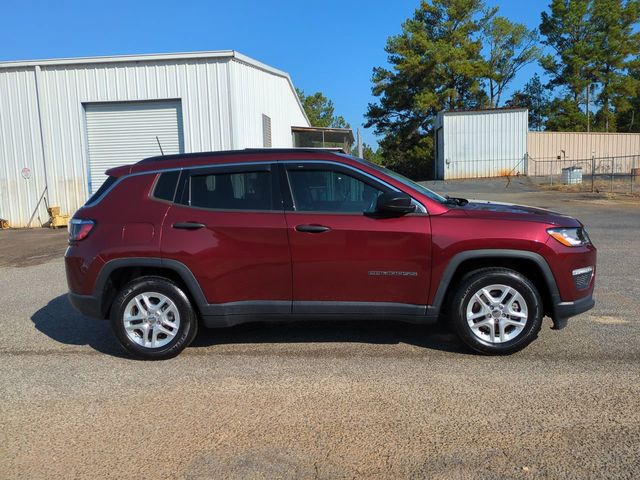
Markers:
228,227
344,260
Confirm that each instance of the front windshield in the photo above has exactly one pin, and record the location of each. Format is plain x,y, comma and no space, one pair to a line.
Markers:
407,181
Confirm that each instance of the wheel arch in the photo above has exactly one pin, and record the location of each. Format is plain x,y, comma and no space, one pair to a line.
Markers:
530,264
115,273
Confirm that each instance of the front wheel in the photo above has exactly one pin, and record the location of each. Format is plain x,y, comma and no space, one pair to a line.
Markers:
153,318
497,311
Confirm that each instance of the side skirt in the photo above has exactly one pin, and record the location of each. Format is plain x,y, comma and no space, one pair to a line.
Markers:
236,313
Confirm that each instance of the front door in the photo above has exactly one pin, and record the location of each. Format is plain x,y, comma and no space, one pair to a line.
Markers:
228,227
345,261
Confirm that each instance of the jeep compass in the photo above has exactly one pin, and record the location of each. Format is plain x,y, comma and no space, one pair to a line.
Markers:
176,242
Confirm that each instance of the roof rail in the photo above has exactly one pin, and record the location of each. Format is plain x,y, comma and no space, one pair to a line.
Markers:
246,151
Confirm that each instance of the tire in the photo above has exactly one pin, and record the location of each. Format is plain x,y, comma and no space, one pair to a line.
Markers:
153,319
504,307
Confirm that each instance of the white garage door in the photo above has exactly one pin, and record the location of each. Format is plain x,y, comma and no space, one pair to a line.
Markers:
124,133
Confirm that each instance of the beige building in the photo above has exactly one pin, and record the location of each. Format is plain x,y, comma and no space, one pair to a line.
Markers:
549,152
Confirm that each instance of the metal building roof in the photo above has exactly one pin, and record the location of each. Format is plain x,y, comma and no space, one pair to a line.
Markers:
156,57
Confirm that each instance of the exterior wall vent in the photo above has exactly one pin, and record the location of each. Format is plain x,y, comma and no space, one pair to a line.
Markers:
266,131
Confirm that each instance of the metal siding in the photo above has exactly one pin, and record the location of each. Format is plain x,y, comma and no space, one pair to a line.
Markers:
123,133
20,147
200,84
256,92
544,147
483,144
207,88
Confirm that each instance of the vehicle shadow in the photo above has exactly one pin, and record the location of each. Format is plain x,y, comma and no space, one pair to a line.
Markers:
60,322
383,332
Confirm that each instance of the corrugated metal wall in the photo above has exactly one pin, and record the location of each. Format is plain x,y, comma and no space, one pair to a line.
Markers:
121,133
255,93
216,116
20,146
577,148
482,144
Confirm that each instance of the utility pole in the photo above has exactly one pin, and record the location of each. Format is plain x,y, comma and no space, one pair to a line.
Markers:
359,143
588,88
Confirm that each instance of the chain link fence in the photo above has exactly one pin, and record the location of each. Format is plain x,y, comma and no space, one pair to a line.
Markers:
596,174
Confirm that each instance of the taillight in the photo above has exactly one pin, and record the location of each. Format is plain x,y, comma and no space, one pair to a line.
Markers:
79,229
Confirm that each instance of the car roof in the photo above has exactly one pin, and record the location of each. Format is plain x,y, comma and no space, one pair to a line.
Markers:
183,160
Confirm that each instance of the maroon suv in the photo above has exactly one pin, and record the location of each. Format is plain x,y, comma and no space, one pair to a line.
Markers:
230,237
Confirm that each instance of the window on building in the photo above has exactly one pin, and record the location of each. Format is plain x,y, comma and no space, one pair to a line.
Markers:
266,131
232,191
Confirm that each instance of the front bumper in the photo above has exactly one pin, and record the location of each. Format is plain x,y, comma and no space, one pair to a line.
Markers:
562,311
86,304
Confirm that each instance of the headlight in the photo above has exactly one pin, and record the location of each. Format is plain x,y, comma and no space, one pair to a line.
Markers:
570,237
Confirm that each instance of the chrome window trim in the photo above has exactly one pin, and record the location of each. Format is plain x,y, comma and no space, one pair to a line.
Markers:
419,205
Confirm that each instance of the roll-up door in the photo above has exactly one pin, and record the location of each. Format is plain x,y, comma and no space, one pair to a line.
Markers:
124,133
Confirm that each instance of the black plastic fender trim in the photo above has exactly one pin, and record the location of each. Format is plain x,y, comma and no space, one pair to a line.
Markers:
461,257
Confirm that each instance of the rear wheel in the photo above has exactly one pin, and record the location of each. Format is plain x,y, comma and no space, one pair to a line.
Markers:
153,318
497,311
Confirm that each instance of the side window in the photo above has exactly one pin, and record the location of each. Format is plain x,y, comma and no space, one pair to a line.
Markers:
166,186
103,188
232,191
326,190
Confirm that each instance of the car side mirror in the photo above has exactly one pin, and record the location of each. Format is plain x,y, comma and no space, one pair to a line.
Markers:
395,203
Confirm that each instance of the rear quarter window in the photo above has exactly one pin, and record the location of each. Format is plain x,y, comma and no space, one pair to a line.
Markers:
166,184
103,188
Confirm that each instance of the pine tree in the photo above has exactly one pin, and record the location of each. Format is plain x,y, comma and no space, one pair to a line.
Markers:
535,98
435,64
568,31
511,46
594,42
320,110
615,44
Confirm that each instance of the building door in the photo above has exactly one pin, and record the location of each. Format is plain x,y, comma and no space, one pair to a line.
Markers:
120,133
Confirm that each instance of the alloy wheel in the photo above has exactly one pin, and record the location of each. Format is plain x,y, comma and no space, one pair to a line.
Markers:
151,319
497,313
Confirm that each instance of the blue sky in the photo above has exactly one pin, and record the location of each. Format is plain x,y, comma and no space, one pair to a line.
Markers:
331,46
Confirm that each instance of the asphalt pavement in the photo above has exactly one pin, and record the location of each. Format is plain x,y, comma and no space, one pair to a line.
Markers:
326,400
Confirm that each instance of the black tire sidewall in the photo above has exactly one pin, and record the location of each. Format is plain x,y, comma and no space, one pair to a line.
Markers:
474,282
188,322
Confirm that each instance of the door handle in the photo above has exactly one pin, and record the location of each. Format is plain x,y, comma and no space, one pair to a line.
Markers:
312,228
188,225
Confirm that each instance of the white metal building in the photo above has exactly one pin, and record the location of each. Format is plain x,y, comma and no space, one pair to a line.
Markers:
481,143
64,122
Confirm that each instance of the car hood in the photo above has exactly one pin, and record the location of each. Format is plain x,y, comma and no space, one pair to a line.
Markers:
510,211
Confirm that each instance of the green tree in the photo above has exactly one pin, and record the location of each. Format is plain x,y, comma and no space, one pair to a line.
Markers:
320,110
594,43
628,108
615,44
535,98
565,116
568,31
435,64
510,46
368,153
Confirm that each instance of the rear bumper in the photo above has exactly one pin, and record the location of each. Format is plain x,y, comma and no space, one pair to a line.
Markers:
565,310
86,304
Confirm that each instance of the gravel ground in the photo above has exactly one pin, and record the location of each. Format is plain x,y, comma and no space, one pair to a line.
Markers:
348,400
